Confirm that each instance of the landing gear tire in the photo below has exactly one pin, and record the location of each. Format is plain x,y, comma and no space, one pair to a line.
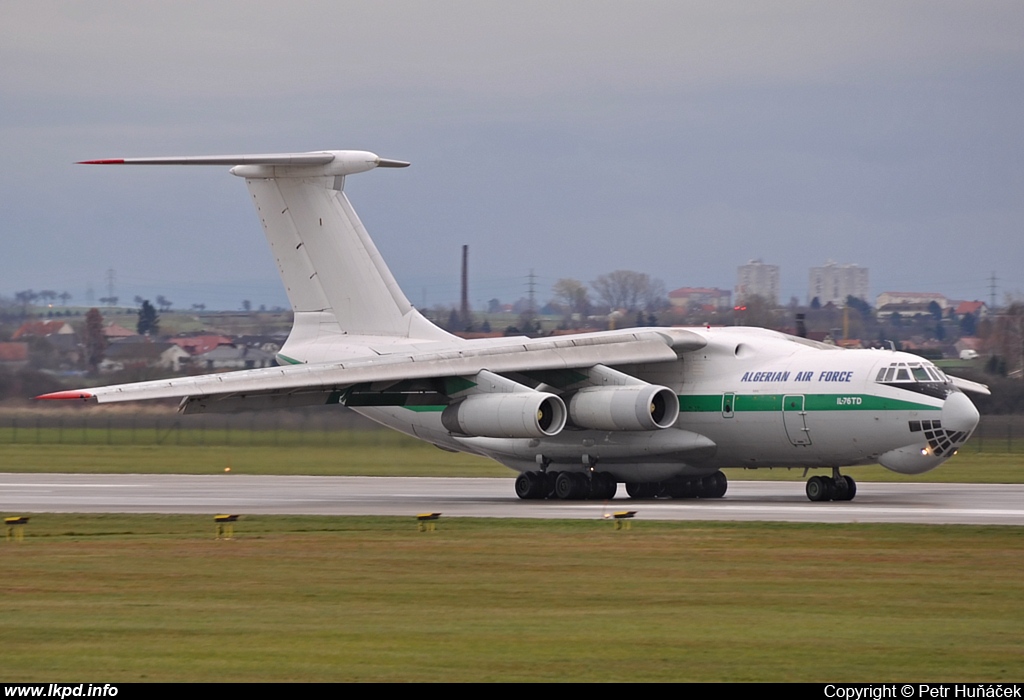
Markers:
642,490
603,486
851,488
818,489
570,486
714,486
839,489
681,488
531,485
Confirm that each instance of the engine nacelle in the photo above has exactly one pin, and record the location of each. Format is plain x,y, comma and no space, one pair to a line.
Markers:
630,407
521,414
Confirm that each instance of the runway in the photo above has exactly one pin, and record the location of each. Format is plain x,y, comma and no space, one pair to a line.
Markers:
981,504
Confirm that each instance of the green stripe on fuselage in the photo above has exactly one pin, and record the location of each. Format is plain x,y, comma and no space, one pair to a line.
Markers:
742,403
712,403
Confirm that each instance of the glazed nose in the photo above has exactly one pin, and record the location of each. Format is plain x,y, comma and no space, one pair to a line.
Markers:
959,414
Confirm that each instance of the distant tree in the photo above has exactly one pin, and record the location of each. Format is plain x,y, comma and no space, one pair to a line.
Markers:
935,310
108,301
815,304
573,297
455,321
485,326
528,322
494,306
47,295
199,307
859,305
1009,336
149,322
623,289
25,298
755,311
968,325
655,297
95,341
164,303
996,365
64,297
246,305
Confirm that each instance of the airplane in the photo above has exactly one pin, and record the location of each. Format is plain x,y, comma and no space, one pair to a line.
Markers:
662,410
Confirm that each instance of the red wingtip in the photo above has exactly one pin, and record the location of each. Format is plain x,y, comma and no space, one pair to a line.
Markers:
103,161
65,395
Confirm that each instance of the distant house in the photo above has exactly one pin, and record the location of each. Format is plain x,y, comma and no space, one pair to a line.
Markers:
112,330
199,344
234,357
912,298
978,309
14,355
59,336
267,343
132,355
42,329
904,310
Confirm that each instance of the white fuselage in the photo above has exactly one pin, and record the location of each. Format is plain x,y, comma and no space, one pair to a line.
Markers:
750,398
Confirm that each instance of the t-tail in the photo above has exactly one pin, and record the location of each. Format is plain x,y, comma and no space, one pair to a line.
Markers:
342,292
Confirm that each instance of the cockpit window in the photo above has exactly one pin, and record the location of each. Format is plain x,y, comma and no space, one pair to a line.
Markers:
919,372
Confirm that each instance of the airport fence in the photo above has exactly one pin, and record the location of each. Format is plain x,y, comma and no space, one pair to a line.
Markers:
337,427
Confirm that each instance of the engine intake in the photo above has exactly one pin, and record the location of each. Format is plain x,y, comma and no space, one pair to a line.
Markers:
631,407
526,414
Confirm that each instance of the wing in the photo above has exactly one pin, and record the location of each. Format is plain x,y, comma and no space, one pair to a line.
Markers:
321,383
969,386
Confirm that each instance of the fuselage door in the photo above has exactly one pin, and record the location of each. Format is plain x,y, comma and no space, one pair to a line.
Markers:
728,404
795,419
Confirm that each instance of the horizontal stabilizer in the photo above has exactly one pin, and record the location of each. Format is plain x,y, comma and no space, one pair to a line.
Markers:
329,162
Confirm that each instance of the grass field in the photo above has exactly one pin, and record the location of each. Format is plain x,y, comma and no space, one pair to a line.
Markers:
385,453
155,598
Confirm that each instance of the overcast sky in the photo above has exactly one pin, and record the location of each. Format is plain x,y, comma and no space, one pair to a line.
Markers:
675,138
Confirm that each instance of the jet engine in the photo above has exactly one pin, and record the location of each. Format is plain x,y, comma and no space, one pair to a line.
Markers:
630,407
525,414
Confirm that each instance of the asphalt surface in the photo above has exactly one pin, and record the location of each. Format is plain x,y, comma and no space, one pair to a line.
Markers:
984,504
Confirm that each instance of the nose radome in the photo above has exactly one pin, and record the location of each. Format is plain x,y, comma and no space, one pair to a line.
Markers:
959,414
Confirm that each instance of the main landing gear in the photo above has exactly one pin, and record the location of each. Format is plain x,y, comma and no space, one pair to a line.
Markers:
712,486
836,488
568,486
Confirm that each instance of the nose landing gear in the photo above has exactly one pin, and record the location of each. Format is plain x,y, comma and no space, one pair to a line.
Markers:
836,488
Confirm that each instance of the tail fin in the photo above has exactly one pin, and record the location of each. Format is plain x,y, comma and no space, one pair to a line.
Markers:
335,278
